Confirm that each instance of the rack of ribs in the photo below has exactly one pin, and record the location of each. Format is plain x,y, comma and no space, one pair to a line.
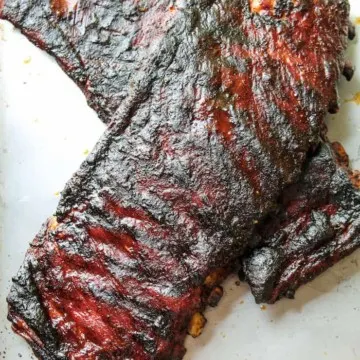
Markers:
216,119
107,47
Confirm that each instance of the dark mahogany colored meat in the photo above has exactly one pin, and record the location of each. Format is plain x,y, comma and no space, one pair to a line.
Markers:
224,109
317,224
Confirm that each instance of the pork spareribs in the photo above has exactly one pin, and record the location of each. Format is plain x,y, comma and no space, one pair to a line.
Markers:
218,121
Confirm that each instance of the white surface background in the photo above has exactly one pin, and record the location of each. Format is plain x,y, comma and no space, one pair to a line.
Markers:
46,129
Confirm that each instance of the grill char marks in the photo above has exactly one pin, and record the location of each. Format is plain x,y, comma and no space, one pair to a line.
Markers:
317,224
176,184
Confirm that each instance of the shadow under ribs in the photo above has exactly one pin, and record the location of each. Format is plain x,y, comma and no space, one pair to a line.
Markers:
216,120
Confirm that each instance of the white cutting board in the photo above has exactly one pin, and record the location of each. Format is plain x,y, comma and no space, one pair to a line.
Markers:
46,130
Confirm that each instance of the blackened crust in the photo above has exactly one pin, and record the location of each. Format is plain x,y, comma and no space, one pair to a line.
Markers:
317,224
215,122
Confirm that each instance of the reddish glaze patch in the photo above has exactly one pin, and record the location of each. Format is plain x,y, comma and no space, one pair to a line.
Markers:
296,49
149,225
124,212
90,326
23,329
222,123
329,209
63,7
122,241
262,6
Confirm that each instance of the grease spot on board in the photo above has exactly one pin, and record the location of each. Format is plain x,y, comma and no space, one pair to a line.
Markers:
355,262
355,99
2,32
357,20
27,60
86,152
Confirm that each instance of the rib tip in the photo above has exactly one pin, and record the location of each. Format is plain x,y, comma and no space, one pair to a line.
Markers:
333,108
290,294
348,71
352,31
